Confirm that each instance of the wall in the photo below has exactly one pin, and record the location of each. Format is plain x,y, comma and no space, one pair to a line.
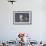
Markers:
9,31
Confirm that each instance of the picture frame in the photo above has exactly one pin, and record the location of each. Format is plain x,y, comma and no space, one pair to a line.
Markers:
22,17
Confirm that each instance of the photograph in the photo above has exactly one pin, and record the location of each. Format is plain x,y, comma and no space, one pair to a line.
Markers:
22,17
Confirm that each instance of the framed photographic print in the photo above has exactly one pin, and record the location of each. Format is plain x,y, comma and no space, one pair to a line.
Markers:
22,17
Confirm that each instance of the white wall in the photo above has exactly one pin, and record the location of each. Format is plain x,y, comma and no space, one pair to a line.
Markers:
9,31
